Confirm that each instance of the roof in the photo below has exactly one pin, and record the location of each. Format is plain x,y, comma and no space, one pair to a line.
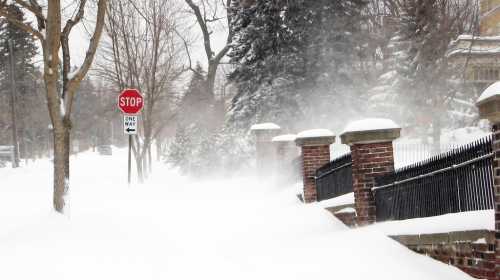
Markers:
467,44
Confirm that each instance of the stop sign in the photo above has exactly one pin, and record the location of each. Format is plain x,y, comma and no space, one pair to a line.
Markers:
130,101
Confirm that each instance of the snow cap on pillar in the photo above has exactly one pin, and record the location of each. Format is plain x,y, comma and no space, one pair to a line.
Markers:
285,138
285,144
489,103
372,130
265,132
315,137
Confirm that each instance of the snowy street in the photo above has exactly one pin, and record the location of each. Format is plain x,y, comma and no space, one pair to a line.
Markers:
249,139
175,228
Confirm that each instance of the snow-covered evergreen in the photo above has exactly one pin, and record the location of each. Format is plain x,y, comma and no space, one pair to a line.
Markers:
289,55
418,73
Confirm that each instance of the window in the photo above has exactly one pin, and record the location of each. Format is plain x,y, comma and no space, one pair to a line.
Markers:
485,74
485,6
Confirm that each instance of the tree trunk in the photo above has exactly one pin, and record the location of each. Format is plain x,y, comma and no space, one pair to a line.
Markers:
158,150
211,75
140,173
144,160
138,156
145,171
61,167
61,131
150,161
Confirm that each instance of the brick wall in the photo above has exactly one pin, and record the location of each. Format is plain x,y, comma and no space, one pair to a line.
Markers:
313,157
496,185
347,217
489,108
472,251
369,161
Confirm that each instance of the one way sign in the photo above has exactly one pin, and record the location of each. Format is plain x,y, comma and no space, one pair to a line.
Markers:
130,125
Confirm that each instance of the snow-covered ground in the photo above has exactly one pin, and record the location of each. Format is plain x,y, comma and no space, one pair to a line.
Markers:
472,220
176,228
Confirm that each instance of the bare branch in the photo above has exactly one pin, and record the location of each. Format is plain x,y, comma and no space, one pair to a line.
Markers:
33,7
188,53
70,23
25,27
203,26
91,49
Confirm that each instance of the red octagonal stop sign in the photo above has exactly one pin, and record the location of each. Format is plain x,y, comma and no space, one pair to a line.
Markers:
130,101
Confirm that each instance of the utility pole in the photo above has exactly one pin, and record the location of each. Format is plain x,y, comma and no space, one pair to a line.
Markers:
15,162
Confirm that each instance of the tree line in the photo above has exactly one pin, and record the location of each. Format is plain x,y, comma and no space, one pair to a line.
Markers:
292,62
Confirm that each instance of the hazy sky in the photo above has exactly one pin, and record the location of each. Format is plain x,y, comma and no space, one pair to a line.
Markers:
81,33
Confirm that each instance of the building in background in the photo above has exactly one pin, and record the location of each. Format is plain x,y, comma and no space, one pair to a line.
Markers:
479,55
490,18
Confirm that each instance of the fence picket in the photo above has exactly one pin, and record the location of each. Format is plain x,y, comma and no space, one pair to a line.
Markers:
458,180
335,178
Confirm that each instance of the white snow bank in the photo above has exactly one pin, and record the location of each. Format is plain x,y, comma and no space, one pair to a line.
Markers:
337,201
370,124
480,241
346,210
315,133
285,138
338,150
490,91
483,38
265,126
173,227
473,220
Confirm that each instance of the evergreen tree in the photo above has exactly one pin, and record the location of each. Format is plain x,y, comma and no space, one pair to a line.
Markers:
384,98
178,153
419,86
430,79
192,149
24,51
289,55
293,60
31,119
195,101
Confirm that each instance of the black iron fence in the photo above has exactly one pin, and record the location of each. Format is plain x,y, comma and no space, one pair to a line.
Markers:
335,178
456,181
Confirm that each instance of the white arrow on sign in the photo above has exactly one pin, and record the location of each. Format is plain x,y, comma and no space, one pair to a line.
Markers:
130,125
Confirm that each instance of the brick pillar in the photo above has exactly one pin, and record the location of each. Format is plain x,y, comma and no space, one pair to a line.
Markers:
285,147
372,156
489,108
496,191
315,152
286,152
265,149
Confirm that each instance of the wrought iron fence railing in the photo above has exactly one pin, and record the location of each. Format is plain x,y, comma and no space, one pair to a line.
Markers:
456,181
335,178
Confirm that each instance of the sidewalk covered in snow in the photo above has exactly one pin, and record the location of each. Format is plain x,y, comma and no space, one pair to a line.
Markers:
176,228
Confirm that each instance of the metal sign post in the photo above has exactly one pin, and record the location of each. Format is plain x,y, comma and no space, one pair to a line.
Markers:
130,102
130,128
129,158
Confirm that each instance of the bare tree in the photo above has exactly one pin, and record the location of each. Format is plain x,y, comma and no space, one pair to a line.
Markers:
144,54
208,13
54,40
